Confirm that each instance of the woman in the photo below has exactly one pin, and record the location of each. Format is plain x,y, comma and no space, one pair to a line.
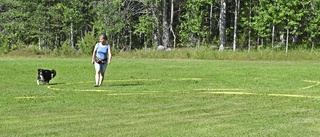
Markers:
101,58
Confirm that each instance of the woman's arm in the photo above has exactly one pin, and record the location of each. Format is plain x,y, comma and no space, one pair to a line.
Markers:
94,53
109,55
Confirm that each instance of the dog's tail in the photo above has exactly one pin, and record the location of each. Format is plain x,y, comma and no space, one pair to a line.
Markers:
54,73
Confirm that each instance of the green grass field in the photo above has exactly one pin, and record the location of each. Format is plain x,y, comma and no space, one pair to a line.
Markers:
160,97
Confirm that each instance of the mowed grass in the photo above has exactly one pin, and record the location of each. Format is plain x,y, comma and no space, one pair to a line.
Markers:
160,97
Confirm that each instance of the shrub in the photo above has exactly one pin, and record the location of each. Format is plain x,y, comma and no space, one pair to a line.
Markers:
66,49
37,51
4,47
87,44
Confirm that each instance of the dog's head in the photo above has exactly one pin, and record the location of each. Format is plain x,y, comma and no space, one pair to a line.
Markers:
40,74
54,73
46,74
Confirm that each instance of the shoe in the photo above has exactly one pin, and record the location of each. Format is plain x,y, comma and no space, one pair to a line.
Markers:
96,85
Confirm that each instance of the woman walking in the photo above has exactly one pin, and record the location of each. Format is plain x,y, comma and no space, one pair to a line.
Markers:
101,58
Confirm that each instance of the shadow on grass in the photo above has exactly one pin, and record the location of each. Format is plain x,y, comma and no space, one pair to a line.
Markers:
127,84
53,84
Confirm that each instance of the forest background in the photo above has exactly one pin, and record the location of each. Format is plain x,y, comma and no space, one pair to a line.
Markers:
73,26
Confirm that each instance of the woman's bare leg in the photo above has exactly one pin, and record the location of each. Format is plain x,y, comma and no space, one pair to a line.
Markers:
101,78
98,78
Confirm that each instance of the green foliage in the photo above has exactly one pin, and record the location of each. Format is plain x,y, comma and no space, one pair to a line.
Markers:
108,19
51,23
87,44
281,13
37,51
192,25
313,25
66,49
4,47
264,19
145,27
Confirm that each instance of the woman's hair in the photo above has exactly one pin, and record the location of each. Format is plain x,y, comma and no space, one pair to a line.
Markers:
104,36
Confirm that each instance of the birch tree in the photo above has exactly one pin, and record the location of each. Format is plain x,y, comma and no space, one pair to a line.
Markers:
165,26
222,24
236,12
171,23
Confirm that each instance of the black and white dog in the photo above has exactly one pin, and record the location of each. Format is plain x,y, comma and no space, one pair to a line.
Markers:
45,75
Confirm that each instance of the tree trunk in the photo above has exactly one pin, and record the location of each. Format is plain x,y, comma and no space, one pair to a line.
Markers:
210,18
57,42
236,11
145,42
130,39
71,36
295,36
287,41
39,43
272,39
222,25
157,36
312,45
125,28
314,13
171,22
156,32
82,35
249,28
165,29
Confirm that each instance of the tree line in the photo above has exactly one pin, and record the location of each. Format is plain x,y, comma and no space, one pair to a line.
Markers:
138,24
